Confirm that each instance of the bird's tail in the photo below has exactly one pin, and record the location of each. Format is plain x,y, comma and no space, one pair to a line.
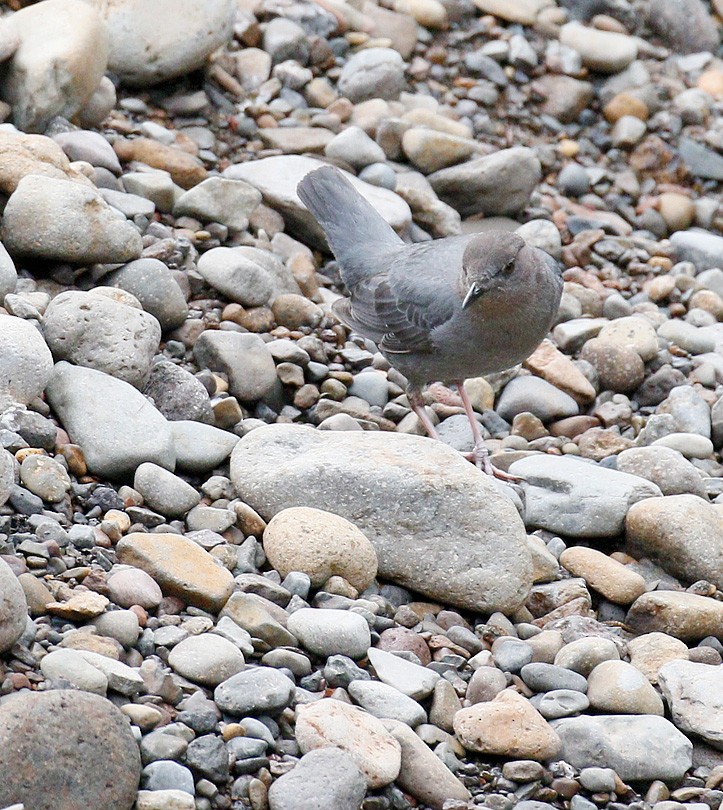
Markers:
355,231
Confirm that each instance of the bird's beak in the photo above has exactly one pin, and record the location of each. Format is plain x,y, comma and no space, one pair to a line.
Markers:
473,293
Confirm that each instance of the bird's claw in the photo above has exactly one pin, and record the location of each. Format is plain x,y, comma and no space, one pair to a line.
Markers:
480,457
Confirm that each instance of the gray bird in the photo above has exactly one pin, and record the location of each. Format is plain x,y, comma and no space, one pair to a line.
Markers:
443,310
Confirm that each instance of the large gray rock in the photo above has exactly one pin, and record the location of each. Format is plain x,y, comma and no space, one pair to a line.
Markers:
95,331
64,749
114,424
439,526
372,73
578,498
154,286
25,362
665,467
639,748
682,533
61,60
495,184
325,779
695,697
153,42
244,358
13,607
59,220
277,178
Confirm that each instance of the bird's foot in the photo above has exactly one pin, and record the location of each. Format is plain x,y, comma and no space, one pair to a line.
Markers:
480,457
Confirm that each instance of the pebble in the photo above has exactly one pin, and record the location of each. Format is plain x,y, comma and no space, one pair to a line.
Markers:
687,616
601,51
256,691
604,574
207,659
582,655
163,491
650,651
332,723
372,73
529,394
331,632
386,702
619,688
25,361
692,693
410,679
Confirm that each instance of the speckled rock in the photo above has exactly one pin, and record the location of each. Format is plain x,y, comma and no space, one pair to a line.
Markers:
13,608
25,362
693,693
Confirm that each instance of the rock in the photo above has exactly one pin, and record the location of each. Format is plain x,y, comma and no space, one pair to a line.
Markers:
332,723
429,13
198,447
639,748
244,358
89,146
252,614
543,677
633,333
143,53
619,368
165,492
178,394
565,97
355,147
285,39
430,151
95,331
71,666
22,154
386,702
207,659
296,311
45,477
64,221
650,651
325,778
56,33
686,616
131,586
331,632
180,566
114,424
185,169
602,51
560,703
164,800
666,468
530,394
372,73
620,688
507,726
604,574
700,161
257,690
410,679
692,691
684,25
578,498
320,544
521,11
375,473
7,476
682,533
90,757
8,273
584,654
13,608
496,184
153,284
217,199
25,362
277,178
698,246
423,774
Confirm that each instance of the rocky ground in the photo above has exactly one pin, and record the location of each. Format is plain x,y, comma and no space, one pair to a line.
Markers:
233,573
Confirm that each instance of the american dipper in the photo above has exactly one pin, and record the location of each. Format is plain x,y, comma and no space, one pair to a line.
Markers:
443,310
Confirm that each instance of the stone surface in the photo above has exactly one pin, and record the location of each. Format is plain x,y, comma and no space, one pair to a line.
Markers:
258,690
602,51
617,687
165,492
180,567
90,758
331,632
178,394
603,574
666,468
218,199
244,358
459,540
687,616
372,73
13,608
693,693
25,362
207,659
332,723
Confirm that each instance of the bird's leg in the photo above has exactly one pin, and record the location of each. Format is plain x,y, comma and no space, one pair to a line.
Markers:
480,455
414,395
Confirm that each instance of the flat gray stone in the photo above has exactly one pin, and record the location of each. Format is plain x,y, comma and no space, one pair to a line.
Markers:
372,73
219,199
244,358
331,632
114,424
532,394
386,702
261,690
165,492
178,394
456,538
701,247
693,693
198,447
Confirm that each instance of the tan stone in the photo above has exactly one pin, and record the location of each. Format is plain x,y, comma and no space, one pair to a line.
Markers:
430,150
616,687
186,170
711,82
37,595
81,605
650,651
625,104
520,11
613,580
423,117
430,13
678,210
180,566
548,362
22,154
687,616
481,393
321,545
507,726
634,333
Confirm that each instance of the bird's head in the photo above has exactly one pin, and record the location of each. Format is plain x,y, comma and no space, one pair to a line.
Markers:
488,262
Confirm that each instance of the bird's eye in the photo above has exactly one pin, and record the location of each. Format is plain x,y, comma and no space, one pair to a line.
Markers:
508,266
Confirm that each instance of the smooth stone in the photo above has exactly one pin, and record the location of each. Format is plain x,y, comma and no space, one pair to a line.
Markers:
178,394
602,51
639,748
634,333
650,651
122,625
578,498
63,221
320,544
261,618
584,654
386,702
165,775
355,147
63,33
200,448
620,688
236,275
244,358
89,756
13,608
543,677
164,800
8,273
25,362
132,586
71,666
690,445
682,533
331,632
372,73
666,468
561,703
114,424
219,199
257,691
207,659
698,246
506,726
529,394
121,678
485,684
687,616
279,466
410,679
511,654
277,178
89,146
165,492
332,723
615,581
598,780
180,566
693,694
684,25
324,778
93,330
496,184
